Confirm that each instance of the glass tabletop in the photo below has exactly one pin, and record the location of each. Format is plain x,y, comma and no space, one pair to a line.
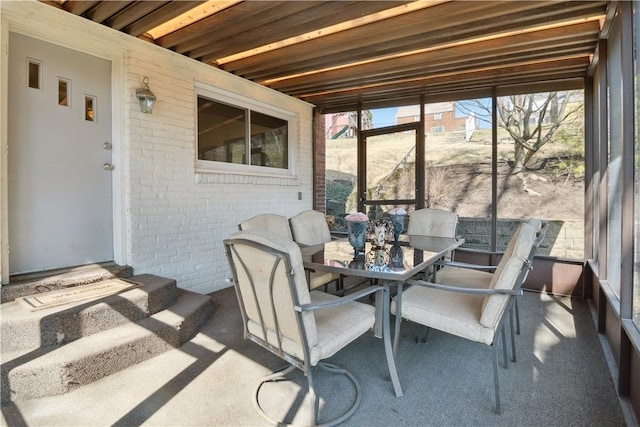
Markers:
392,262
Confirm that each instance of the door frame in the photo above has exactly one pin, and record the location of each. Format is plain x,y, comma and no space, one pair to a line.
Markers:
118,89
419,200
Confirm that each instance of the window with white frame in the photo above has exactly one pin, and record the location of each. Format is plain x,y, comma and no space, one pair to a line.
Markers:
636,77
437,129
437,116
230,131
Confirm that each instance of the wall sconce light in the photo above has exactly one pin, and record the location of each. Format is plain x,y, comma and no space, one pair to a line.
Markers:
146,97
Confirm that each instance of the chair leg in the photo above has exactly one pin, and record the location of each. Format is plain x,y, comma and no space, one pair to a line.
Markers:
513,337
504,346
495,376
425,334
517,317
312,397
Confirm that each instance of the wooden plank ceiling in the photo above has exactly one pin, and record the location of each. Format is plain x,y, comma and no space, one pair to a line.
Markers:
336,54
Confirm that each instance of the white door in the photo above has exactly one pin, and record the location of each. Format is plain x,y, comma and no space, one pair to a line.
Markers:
60,207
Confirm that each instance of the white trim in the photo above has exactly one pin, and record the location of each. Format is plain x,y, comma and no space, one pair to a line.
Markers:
119,178
241,100
117,131
4,156
203,167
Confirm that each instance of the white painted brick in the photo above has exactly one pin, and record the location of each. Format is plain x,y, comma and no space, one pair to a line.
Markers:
177,218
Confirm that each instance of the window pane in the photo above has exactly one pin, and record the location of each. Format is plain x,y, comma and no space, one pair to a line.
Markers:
636,281
90,108
390,165
614,169
541,168
269,141
34,74
341,166
63,92
221,132
458,168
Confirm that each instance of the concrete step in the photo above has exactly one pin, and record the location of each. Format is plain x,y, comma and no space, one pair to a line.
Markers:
32,283
57,370
23,329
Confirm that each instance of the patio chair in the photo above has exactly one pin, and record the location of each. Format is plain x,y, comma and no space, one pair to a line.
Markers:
280,314
480,276
310,228
476,314
279,225
433,223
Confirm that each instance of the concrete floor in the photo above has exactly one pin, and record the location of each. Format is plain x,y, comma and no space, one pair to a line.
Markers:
561,378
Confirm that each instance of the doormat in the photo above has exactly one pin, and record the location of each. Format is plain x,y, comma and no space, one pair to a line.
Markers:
77,293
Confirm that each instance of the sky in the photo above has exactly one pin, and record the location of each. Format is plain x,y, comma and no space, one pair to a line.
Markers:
384,117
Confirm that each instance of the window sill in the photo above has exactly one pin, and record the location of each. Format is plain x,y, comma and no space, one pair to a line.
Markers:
631,330
227,177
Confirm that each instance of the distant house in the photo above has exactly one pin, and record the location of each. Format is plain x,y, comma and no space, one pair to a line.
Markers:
438,117
345,124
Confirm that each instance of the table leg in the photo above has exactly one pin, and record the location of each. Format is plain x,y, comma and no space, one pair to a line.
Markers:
386,326
396,335
378,329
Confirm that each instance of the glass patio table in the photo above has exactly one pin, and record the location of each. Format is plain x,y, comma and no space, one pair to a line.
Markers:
391,265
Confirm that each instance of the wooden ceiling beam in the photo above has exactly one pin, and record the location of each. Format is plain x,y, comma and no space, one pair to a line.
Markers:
377,33
393,37
198,31
576,35
78,7
323,15
541,55
244,29
132,13
458,78
106,9
409,32
160,16
437,68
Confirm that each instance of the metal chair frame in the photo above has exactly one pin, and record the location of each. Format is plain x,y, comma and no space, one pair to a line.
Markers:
294,362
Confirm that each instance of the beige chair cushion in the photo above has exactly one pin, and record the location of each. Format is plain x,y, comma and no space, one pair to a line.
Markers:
507,273
466,277
433,222
260,264
310,228
321,278
536,224
327,330
277,224
452,312
338,326
459,276
474,317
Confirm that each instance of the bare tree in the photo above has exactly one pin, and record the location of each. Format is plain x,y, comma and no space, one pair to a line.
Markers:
531,120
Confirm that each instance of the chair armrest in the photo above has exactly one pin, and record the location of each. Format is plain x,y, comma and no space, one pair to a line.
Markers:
444,263
462,289
342,300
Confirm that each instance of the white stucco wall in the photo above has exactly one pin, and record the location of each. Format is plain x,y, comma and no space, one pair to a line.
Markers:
170,220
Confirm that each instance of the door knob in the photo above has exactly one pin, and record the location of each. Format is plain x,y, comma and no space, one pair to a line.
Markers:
107,166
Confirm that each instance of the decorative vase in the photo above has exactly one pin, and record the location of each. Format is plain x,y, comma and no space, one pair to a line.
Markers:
379,235
398,225
377,260
357,234
357,263
396,257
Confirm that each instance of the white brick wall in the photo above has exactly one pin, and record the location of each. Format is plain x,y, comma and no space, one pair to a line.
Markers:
175,218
